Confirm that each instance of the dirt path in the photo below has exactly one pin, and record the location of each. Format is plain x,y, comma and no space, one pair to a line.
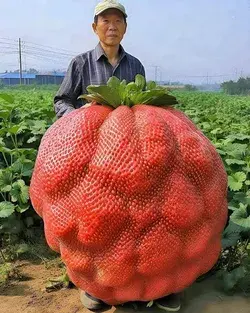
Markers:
28,296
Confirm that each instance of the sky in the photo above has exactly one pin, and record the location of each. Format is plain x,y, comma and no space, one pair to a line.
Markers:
199,41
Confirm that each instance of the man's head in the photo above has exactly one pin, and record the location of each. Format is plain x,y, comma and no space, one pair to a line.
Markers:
110,22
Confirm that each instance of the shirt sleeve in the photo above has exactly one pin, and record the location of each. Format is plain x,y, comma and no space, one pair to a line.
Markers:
69,91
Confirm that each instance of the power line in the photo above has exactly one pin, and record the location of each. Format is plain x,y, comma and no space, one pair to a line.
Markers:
53,48
47,51
10,44
43,57
8,52
6,49
50,55
8,39
38,51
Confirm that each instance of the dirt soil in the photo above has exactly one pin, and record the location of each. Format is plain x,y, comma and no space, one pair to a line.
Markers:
29,296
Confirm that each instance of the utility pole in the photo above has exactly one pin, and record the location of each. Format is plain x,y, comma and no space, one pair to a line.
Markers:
20,60
236,74
156,71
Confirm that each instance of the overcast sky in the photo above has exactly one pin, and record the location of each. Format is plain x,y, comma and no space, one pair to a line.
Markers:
183,37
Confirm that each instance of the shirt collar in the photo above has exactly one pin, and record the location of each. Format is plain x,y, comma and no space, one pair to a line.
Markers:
99,52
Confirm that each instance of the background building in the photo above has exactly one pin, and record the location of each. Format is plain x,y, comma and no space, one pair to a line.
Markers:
10,79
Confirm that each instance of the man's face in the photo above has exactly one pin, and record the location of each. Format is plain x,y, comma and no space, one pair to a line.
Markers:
110,27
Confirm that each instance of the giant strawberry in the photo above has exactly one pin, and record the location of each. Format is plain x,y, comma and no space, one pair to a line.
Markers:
132,194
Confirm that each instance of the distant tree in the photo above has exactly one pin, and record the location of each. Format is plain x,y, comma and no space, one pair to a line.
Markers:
241,87
189,87
176,83
32,71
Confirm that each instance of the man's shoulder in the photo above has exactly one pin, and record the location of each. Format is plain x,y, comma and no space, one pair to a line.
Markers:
133,58
83,57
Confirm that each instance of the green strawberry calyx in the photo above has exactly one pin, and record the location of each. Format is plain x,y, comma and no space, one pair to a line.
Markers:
117,93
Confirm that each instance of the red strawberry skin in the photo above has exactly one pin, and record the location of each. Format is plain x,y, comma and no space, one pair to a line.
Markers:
134,200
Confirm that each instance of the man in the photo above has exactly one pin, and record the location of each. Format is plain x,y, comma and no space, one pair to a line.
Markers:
96,67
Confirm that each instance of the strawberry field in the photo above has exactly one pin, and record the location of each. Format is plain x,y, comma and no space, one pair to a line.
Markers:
225,120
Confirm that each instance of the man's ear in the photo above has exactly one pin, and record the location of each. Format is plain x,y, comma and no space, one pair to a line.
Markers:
94,27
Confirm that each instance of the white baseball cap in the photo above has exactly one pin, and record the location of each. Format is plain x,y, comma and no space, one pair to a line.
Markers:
109,4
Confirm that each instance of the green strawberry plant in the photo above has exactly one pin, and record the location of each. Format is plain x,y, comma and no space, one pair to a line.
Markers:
20,134
225,121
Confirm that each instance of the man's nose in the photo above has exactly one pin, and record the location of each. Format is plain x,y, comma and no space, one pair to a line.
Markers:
112,26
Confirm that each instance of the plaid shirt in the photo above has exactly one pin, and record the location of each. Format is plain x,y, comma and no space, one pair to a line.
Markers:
92,68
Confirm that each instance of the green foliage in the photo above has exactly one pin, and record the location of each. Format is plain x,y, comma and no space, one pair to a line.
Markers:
225,121
231,235
24,118
241,87
215,115
241,216
117,93
6,209
7,271
31,87
189,87
60,282
234,265
231,279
